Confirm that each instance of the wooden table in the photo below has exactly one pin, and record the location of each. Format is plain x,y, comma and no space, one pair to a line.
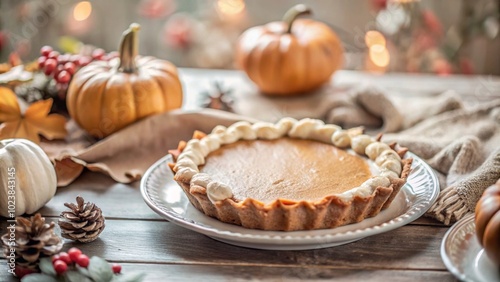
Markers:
140,240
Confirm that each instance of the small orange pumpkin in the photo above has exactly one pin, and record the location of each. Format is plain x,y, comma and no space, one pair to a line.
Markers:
289,57
103,97
488,221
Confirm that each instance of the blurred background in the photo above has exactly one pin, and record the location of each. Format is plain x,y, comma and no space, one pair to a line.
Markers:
441,37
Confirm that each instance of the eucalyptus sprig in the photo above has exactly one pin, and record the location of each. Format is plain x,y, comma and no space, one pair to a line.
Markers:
98,270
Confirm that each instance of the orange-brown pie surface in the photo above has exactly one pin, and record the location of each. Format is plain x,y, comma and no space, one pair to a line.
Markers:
285,168
291,175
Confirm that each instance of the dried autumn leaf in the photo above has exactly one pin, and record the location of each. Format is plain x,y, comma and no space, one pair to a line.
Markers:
36,120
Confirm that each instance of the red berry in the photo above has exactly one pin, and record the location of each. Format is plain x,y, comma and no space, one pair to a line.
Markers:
60,266
84,61
63,77
21,271
62,88
83,260
53,55
58,70
75,59
55,257
63,59
45,50
98,53
116,268
70,67
65,257
41,61
49,66
113,54
74,253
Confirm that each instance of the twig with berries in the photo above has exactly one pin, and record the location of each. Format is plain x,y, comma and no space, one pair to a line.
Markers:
76,266
62,67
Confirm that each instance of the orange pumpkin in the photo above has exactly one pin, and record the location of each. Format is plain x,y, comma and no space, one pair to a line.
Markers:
289,57
103,97
488,222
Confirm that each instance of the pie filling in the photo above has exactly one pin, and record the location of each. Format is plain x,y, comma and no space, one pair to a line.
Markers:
285,168
291,175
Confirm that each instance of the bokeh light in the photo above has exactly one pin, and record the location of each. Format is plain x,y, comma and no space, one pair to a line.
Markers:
379,55
230,7
82,11
374,37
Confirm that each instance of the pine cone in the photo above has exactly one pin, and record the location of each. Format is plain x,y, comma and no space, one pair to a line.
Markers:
34,239
84,222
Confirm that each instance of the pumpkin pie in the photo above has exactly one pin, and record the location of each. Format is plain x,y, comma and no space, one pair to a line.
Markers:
291,175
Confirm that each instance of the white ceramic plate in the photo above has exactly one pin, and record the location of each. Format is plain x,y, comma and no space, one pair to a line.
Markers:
166,198
463,255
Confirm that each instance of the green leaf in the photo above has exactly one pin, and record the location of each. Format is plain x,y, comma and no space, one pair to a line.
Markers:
47,267
100,270
129,277
38,277
75,276
83,270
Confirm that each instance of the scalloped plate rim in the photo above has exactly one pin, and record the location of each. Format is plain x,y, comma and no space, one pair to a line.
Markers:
473,250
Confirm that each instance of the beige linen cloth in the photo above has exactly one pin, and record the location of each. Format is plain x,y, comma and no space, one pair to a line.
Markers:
461,143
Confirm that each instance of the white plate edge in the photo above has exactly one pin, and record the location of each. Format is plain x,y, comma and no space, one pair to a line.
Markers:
445,257
274,239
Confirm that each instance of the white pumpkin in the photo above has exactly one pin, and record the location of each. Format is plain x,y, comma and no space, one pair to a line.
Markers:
27,170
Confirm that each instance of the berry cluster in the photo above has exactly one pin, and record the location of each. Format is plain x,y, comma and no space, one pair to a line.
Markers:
74,256
62,67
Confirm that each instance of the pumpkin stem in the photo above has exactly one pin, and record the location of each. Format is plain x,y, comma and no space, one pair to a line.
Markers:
293,13
129,47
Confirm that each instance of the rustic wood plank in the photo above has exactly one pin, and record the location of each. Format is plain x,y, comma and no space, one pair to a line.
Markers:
429,222
4,275
115,199
180,272
409,247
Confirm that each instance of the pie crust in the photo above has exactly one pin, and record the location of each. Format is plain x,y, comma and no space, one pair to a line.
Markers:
216,199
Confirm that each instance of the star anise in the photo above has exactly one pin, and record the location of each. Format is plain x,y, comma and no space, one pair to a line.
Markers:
220,100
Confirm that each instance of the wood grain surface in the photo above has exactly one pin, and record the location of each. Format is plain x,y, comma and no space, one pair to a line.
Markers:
140,240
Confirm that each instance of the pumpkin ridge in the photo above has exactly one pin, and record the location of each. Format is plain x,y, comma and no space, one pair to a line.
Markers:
35,192
250,66
266,41
129,85
101,98
73,98
178,88
276,82
164,93
491,237
113,94
165,67
249,50
324,69
276,73
94,84
307,64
